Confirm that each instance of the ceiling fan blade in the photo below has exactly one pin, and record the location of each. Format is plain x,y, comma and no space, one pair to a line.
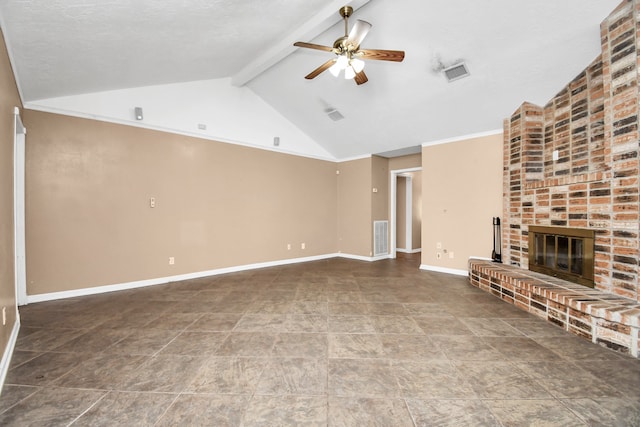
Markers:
358,33
360,78
315,73
313,46
381,54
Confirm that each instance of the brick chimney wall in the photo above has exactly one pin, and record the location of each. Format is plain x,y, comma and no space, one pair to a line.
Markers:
592,126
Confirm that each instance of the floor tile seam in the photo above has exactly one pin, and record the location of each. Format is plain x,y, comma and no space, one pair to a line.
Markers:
54,328
492,399
536,381
176,337
166,409
37,389
614,355
253,393
577,414
491,411
375,333
324,394
38,354
479,400
546,386
386,359
89,408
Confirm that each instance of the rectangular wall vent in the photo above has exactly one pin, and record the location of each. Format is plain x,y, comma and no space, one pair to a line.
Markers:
456,72
380,238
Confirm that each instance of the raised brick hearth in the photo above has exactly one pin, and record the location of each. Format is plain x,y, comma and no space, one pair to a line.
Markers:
606,319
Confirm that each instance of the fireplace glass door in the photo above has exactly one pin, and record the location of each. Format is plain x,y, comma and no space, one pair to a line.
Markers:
566,253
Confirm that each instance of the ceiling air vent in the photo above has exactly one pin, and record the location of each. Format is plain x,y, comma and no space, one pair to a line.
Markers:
334,114
456,72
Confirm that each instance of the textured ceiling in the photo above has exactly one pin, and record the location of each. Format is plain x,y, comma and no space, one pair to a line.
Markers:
516,50
63,47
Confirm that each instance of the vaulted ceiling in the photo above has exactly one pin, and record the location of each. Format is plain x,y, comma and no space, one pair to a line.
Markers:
515,50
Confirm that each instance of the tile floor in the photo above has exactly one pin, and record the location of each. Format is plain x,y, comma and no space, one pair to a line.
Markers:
327,343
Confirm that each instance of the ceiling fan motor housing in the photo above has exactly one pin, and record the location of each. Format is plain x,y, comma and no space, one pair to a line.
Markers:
346,11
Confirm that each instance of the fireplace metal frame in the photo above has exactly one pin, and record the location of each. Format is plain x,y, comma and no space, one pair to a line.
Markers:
586,236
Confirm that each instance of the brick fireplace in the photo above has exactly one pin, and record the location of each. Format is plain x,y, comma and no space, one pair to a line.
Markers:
574,163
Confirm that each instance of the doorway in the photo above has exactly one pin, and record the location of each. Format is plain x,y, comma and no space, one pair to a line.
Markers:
406,207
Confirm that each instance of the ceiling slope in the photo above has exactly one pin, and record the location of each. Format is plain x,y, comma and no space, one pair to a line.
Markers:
515,50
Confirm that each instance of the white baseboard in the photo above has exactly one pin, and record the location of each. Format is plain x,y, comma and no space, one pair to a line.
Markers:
444,270
409,251
481,258
8,351
364,258
163,280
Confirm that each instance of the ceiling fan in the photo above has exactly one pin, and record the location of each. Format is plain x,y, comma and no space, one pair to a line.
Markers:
349,55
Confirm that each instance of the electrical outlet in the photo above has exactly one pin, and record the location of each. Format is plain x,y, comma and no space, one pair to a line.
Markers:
4,316
288,246
172,260
152,202
303,246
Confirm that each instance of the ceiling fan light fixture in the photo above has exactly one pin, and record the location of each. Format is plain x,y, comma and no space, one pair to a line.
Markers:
342,62
335,70
349,73
357,64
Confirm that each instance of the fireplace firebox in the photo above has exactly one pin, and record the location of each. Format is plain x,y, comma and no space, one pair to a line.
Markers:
566,253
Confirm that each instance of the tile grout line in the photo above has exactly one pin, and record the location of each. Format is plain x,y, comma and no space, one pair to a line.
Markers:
106,392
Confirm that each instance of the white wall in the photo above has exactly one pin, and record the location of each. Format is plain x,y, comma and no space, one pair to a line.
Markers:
231,114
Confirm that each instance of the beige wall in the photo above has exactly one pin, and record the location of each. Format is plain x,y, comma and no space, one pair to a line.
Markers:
218,205
379,181
355,229
461,192
405,162
9,99
89,222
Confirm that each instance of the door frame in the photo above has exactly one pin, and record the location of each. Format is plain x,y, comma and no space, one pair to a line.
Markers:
394,207
19,167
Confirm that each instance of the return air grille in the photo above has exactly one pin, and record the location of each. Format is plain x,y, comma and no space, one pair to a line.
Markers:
334,115
456,72
380,238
